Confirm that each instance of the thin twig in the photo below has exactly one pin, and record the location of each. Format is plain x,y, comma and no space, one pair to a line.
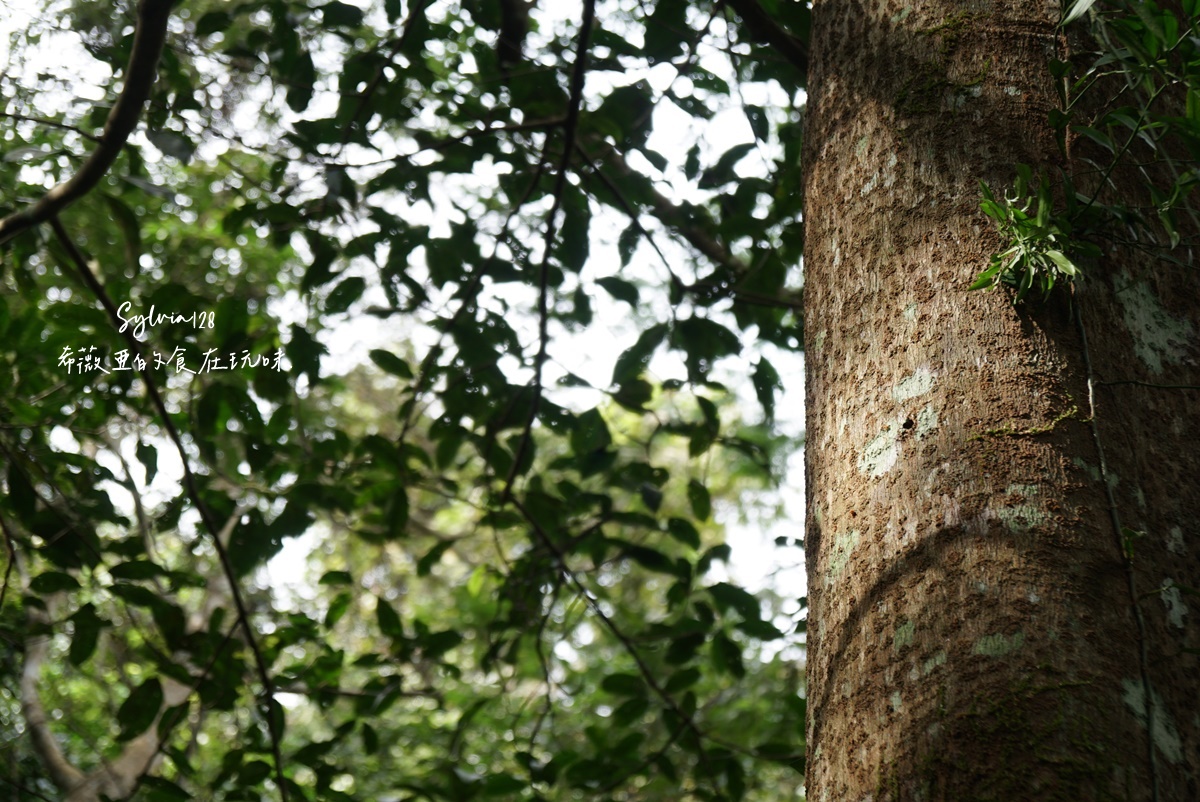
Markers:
51,123
574,103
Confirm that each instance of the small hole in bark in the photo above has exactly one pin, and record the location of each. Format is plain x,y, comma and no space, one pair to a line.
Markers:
908,423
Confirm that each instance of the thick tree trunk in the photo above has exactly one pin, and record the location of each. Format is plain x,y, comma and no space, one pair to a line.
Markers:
977,631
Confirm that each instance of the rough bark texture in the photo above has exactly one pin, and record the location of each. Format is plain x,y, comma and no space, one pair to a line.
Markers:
976,630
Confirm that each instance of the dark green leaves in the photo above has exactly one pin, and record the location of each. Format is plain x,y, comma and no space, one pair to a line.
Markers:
730,596
722,172
139,710
1036,236
700,499
87,625
703,342
342,15
620,289
390,363
388,620
766,384
635,359
53,582
624,685
344,294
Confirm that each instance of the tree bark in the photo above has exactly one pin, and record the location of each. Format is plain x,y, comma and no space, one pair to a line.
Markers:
978,629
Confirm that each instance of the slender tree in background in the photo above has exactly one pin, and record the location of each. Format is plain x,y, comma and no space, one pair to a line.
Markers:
1002,525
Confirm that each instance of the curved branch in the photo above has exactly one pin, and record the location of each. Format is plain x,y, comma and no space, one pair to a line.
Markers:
139,78
64,775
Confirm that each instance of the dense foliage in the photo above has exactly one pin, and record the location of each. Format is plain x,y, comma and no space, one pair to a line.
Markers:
398,242
386,237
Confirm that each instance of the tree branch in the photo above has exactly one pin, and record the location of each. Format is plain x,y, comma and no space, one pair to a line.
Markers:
62,773
762,27
139,78
193,492
573,106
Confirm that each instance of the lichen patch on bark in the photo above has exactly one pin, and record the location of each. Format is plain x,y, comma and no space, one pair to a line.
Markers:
880,454
998,645
1165,735
1158,337
917,384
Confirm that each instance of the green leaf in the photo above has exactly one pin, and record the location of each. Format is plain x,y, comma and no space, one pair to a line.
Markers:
1078,10
337,608
135,569
590,433
138,712
626,246
370,739
125,218
388,620
759,124
703,342
575,244
727,595
624,685
682,680
335,578
620,289
762,630
691,165
212,22
650,559
727,655
53,582
766,383
21,494
631,710
173,144
304,352
684,532
390,363
159,789
87,627
148,456
433,557
634,359
700,499
723,171
1064,264
396,512
342,15
652,497
344,294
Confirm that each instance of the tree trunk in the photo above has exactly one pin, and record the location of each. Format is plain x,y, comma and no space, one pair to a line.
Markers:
978,630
